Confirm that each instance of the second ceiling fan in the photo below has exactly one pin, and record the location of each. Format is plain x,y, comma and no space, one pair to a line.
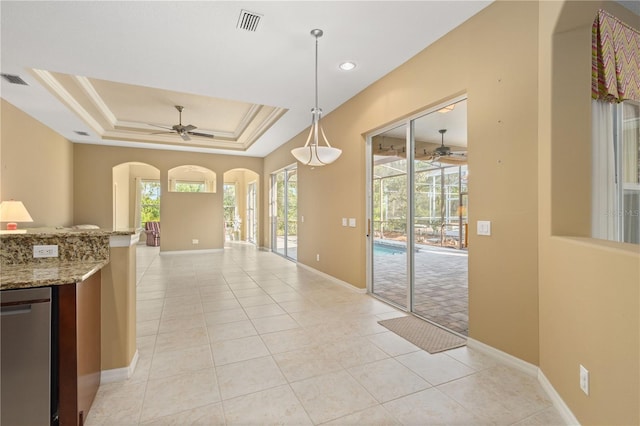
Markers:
185,132
444,154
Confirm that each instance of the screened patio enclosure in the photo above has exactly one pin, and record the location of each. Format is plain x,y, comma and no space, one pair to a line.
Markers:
440,204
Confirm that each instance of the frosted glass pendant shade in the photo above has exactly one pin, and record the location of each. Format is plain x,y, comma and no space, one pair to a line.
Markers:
314,155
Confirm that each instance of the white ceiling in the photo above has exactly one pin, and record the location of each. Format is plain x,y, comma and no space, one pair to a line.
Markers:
194,48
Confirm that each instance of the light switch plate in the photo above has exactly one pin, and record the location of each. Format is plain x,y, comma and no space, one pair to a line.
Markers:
344,221
352,222
484,227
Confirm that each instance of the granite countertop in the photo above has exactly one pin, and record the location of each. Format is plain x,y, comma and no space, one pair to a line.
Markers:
47,274
60,231
81,253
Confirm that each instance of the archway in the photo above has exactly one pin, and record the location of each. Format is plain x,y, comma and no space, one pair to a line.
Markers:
136,195
240,203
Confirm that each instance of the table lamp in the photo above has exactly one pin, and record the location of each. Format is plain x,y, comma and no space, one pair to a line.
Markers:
12,212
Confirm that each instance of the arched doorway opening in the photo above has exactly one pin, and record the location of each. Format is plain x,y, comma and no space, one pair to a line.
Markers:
240,203
136,195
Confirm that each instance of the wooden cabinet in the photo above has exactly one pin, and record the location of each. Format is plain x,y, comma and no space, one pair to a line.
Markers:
78,349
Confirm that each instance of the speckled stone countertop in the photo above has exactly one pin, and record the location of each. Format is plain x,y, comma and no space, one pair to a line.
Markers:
30,275
80,254
53,232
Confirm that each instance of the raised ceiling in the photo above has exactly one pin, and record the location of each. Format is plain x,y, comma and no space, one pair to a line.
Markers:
116,70
124,112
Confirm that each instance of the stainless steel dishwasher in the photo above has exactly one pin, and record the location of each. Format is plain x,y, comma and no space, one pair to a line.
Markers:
25,363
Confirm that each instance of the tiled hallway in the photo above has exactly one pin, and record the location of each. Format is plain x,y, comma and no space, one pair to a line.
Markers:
245,337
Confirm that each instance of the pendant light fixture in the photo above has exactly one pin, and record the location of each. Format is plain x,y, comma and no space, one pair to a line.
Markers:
312,153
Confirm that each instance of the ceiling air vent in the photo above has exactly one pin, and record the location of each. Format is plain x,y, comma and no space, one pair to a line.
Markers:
248,20
81,133
14,79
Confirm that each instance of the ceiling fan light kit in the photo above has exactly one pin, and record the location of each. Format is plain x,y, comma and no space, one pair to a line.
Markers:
312,153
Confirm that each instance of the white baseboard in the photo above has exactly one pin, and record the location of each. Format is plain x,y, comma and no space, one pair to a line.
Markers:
510,360
192,251
119,374
333,279
531,370
562,408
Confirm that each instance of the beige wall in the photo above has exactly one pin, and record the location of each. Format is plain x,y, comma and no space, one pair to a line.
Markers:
492,58
36,168
184,216
589,297
118,314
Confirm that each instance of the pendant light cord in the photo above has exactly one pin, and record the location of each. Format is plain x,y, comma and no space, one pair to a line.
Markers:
316,35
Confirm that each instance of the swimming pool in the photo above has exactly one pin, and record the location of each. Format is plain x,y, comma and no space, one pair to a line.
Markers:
383,249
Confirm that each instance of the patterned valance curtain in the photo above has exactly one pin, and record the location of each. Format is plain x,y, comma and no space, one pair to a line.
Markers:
616,60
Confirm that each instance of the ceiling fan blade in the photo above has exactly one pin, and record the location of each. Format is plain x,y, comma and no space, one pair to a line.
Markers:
189,127
162,133
203,135
157,125
185,136
453,159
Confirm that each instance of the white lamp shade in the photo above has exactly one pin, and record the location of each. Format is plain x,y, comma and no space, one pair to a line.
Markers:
313,155
14,211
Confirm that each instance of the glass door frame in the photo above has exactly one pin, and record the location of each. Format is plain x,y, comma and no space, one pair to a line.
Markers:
274,212
410,226
252,191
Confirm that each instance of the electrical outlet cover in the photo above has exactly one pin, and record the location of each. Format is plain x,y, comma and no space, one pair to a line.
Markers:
584,380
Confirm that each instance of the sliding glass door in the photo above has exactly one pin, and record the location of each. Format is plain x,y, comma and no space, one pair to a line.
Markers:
418,212
284,212
252,223
389,221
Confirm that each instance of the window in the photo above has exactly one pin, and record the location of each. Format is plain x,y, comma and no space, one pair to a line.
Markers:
615,135
149,201
628,145
191,178
189,186
231,219
616,171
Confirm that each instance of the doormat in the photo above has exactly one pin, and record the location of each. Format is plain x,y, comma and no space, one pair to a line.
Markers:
423,334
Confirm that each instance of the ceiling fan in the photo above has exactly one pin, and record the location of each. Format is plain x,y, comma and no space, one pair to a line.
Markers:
444,154
184,131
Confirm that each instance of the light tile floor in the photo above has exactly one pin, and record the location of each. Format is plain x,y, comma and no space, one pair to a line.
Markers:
245,337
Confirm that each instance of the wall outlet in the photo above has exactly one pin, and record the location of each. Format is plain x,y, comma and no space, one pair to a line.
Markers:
194,241
584,380
317,258
45,251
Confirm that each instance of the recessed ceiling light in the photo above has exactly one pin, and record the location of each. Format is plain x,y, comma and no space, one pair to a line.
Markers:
347,66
